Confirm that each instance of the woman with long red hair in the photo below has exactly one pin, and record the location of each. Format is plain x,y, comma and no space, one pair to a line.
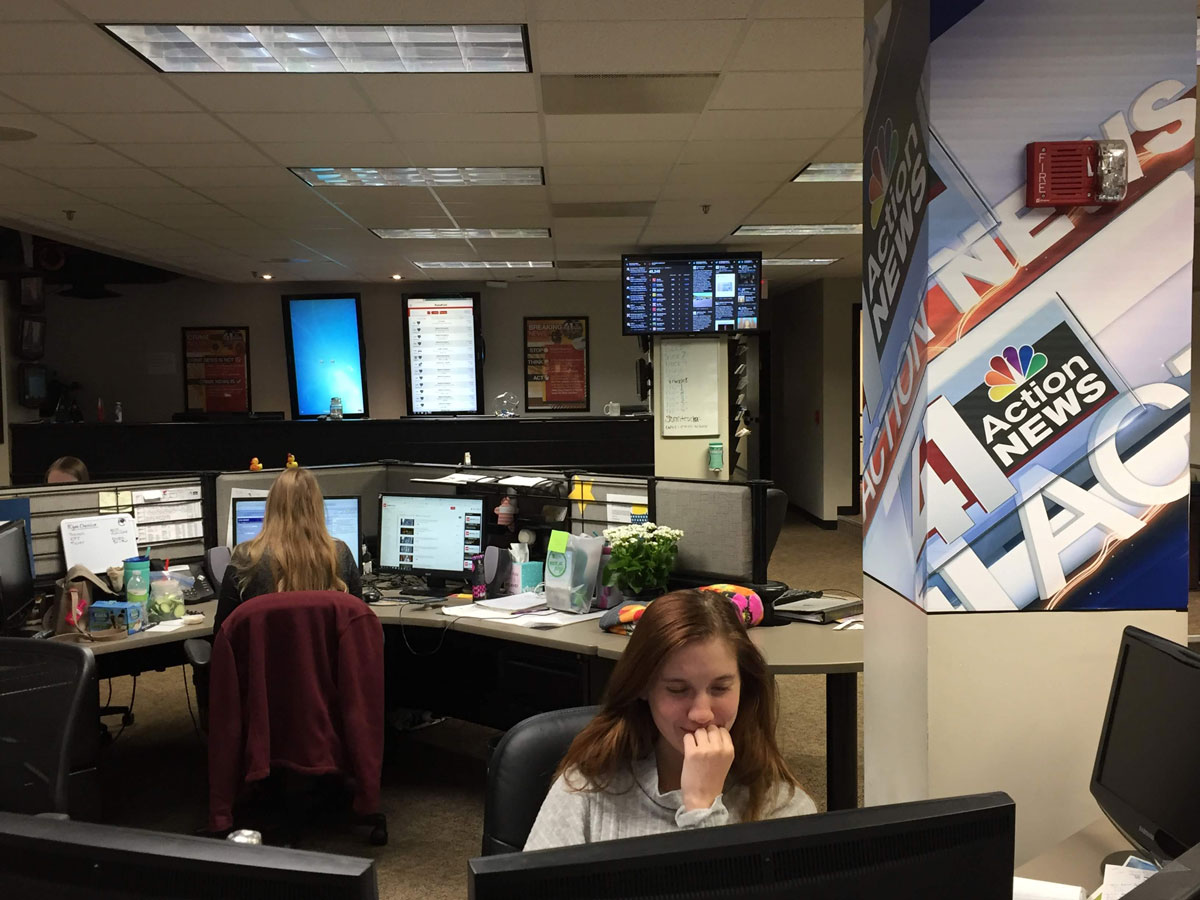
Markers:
685,737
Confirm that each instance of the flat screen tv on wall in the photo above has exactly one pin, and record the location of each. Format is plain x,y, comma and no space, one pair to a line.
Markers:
326,359
690,293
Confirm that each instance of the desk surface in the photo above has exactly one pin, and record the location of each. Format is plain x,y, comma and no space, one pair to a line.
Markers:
795,649
1076,860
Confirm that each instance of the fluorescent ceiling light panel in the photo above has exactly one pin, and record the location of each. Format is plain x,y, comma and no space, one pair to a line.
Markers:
830,172
798,262
793,230
460,233
423,176
328,48
476,264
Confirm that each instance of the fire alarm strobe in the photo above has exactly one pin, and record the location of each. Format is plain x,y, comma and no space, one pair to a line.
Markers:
1075,173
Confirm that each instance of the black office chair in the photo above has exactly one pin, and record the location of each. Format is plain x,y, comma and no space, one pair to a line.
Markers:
49,704
519,774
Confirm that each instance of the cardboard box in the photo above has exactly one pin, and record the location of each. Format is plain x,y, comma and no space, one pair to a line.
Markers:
109,616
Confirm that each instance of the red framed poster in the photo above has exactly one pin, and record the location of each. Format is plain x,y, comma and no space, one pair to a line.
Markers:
556,364
216,369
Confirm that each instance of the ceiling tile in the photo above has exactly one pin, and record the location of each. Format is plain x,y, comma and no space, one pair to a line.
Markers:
96,93
58,156
790,90
790,123
613,152
149,128
332,153
180,10
705,173
97,177
463,93
33,11
845,150
840,195
47,130
719,189
807,9
604,174
230,176
129,197
457,153
63,47
473,127
785,44
620,128
627,10
596,193
794,152
271,92
626,94
414,11
347,128
655,46
197,154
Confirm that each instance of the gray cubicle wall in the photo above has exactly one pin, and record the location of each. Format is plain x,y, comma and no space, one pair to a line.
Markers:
50,504
365,481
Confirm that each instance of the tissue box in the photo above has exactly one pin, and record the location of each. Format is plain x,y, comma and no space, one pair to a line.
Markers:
525,577
116,615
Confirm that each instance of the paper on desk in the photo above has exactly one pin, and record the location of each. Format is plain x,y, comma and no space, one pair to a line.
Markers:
1120,880
550,619
456,478
521,480
1029,889
168,625
513,603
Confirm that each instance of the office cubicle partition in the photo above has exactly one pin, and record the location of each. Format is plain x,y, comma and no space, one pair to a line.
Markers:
170,513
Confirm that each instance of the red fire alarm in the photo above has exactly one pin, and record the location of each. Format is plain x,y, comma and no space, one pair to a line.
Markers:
1075,173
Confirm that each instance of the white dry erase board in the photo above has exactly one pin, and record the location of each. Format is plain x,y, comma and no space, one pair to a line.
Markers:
690,383
98,542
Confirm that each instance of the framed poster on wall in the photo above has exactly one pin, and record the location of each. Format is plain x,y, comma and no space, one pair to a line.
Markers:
216,369
556,364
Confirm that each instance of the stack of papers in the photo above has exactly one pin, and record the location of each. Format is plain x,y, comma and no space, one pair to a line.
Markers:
1120,880
515,603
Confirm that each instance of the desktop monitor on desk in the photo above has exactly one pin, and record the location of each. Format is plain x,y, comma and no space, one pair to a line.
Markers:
16,577
1147,772
432,537
343,520
52,859
953,847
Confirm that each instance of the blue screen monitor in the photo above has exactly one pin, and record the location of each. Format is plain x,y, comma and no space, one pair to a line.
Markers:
429,535
343,520
325,354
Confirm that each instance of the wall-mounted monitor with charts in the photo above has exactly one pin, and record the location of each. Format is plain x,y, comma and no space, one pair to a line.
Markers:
444,375
690,293
429,536
343,520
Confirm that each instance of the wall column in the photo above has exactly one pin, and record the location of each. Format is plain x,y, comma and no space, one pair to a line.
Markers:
1027,378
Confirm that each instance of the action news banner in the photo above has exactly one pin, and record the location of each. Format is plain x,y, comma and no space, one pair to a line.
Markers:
1026,429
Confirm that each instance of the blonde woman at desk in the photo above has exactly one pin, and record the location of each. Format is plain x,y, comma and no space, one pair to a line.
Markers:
293,552
685,737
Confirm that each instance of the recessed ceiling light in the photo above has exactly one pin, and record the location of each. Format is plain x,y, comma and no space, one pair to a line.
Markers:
476,264
397,277
789,230
423,176
830,172
449,233
328,48
267,277
798,262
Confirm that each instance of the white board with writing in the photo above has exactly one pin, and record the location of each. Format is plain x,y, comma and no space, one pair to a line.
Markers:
98,542
690,382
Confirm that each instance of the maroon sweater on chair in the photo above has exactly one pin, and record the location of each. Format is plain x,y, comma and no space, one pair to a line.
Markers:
297,681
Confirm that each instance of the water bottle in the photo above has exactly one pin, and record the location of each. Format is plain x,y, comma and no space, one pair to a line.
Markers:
366,559
137,590
335,407
118,413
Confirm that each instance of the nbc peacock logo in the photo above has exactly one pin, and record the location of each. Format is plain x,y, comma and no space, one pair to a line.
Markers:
883,161
1012,368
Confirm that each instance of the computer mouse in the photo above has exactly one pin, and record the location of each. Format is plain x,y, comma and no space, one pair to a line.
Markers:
371,594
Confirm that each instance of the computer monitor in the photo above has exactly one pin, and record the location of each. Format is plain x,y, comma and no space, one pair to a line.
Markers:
429,536
1146,777
16,576
53,859
343,520
953,847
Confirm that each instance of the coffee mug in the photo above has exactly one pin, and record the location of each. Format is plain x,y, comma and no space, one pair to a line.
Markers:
612,408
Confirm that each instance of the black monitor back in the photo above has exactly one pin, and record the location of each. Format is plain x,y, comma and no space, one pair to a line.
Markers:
954,847
1146,777
48,859
16,576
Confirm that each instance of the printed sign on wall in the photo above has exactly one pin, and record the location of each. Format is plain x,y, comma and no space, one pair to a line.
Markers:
217,369
556,364
1026,432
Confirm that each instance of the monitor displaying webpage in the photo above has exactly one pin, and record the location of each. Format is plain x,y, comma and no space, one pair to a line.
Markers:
441,355
341,520
429,534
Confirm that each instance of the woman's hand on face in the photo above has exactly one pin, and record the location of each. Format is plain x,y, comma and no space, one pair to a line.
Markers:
707,756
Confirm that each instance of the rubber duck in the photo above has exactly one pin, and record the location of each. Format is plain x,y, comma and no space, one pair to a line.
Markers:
255,465
291,462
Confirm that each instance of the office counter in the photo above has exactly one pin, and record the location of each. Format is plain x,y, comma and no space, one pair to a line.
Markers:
617,444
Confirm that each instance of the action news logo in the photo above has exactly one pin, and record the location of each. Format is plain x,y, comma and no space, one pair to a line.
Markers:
1032,395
